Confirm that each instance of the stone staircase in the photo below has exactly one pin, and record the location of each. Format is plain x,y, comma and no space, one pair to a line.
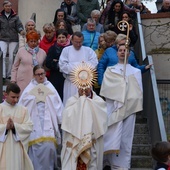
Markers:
141,157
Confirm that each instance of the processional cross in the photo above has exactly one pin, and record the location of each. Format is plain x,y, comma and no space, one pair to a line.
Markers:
124,25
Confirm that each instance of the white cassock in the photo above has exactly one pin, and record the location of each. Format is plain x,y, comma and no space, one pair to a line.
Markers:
14,146
124,97
45,108
69,58
84,123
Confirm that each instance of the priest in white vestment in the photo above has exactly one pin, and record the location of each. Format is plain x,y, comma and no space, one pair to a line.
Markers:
84,124
45,108
15,129
71,57
122,88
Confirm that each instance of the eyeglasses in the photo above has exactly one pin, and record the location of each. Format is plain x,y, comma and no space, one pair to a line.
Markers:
40,74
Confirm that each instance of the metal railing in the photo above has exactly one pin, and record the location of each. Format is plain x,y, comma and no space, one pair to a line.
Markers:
141,37
164,96
151,105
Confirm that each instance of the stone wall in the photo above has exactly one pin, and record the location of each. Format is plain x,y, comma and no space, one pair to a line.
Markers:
44,9
157,42
156,32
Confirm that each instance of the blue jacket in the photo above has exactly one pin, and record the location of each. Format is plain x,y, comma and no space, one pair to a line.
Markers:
88,38
110,58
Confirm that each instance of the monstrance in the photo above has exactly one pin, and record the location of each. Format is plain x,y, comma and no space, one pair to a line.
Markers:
84,76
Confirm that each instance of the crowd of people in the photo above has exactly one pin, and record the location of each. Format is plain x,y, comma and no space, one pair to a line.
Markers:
92,125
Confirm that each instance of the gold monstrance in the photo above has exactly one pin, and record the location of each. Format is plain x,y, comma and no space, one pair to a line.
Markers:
83,76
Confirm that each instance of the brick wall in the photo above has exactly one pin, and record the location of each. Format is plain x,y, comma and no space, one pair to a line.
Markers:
14,5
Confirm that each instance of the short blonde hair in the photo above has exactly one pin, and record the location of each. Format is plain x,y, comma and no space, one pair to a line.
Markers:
110,36
119,38
48,27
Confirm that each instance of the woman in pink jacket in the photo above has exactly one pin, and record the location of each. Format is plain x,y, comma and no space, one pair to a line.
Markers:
26,58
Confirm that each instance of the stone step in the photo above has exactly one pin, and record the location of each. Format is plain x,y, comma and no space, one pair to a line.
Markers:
141,139
141,149
141,157
141,120
141,162
108,168
141,168
141,129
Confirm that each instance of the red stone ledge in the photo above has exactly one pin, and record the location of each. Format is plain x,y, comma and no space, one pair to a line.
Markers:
156,15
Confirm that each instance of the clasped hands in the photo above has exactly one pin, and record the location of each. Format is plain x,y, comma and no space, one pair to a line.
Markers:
10,124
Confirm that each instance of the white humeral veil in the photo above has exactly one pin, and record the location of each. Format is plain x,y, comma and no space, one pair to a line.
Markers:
124,98
84,124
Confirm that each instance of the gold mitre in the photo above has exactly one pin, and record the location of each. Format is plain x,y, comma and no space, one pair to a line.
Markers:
84,75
